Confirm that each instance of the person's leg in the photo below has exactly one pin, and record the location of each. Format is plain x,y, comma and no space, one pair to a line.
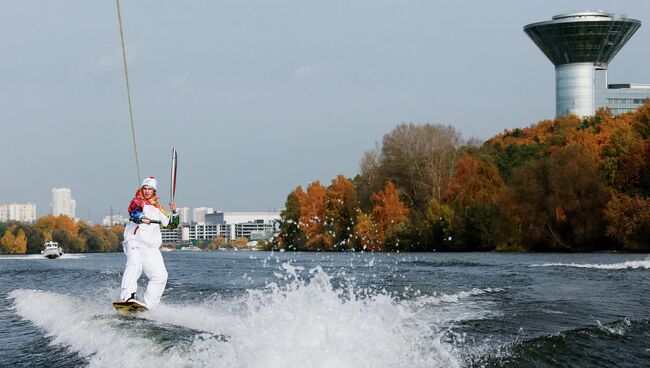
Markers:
154,268
132,271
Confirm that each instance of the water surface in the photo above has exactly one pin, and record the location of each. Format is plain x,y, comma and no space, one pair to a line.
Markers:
262,309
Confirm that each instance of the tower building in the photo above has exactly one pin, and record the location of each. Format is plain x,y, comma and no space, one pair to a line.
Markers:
581,46
62,202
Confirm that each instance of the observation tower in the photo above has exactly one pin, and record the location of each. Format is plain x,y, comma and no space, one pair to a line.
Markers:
581,45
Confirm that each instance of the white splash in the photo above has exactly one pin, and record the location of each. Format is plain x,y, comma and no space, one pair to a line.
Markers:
619,328
304,322
605,266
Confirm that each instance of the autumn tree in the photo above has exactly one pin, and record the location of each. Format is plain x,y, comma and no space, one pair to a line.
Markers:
633,169
67,224
472,193
389,211
474,181
545,207
21,243
217,243
642,120
240,243
47,225
341,211
8,241
367,235
312,218
628,221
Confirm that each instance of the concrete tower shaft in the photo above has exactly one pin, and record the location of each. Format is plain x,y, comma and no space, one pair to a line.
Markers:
581,45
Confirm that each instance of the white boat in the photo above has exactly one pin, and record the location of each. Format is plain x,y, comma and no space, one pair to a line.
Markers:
52,250
191,248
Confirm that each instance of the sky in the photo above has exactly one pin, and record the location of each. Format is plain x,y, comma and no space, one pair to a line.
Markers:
259,97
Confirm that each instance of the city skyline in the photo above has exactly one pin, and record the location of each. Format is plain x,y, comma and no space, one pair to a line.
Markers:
259,98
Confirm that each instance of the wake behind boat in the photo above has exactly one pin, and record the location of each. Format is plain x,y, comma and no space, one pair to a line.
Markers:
52,250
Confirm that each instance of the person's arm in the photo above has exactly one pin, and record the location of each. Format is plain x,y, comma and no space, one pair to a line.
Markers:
136,211
174,219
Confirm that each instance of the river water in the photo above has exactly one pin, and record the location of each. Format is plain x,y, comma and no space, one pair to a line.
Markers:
263,309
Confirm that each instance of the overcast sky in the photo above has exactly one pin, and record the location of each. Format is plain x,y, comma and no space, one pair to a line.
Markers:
259,96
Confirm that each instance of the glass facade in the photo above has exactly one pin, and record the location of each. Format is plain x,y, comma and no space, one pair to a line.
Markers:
587,37
581,45
575,89
626,99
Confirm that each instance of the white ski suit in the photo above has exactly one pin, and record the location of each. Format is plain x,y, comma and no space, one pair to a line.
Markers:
141,246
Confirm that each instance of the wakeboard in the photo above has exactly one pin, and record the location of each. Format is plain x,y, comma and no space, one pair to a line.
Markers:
130,306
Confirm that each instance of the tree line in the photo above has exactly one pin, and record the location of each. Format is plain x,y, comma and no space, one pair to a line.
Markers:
568,184
73,236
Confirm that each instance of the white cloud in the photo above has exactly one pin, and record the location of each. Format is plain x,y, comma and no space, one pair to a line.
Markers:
178,82
106,65
312,71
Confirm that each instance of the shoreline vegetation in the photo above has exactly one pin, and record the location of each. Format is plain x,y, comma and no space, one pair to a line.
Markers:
564,185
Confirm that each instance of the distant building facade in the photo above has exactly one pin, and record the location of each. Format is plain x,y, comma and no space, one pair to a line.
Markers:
184,215
22,212
62,202
114,220
228,225
581,45
198,214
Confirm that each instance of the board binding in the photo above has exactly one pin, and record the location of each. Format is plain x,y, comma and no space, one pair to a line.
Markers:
130,306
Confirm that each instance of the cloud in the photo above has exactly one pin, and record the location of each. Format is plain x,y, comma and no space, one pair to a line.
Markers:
108,65
177,83
313,71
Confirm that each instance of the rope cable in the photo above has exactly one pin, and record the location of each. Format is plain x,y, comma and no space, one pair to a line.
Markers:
128,90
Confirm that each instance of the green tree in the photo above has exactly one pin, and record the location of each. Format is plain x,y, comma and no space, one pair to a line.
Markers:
438,228
35,239
3,228
70,243
290,235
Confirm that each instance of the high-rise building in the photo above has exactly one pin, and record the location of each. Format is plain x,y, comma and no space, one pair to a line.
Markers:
23,212
581,45
198,214
183,215
62,202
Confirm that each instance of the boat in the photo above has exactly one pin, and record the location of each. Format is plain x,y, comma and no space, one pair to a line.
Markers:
52,250
191,248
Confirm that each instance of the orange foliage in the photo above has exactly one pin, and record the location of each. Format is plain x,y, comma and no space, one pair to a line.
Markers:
341,208
312,217
389,210
592,134
68,224
20,247
473,181
631,166
628,221
46,224
367,234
